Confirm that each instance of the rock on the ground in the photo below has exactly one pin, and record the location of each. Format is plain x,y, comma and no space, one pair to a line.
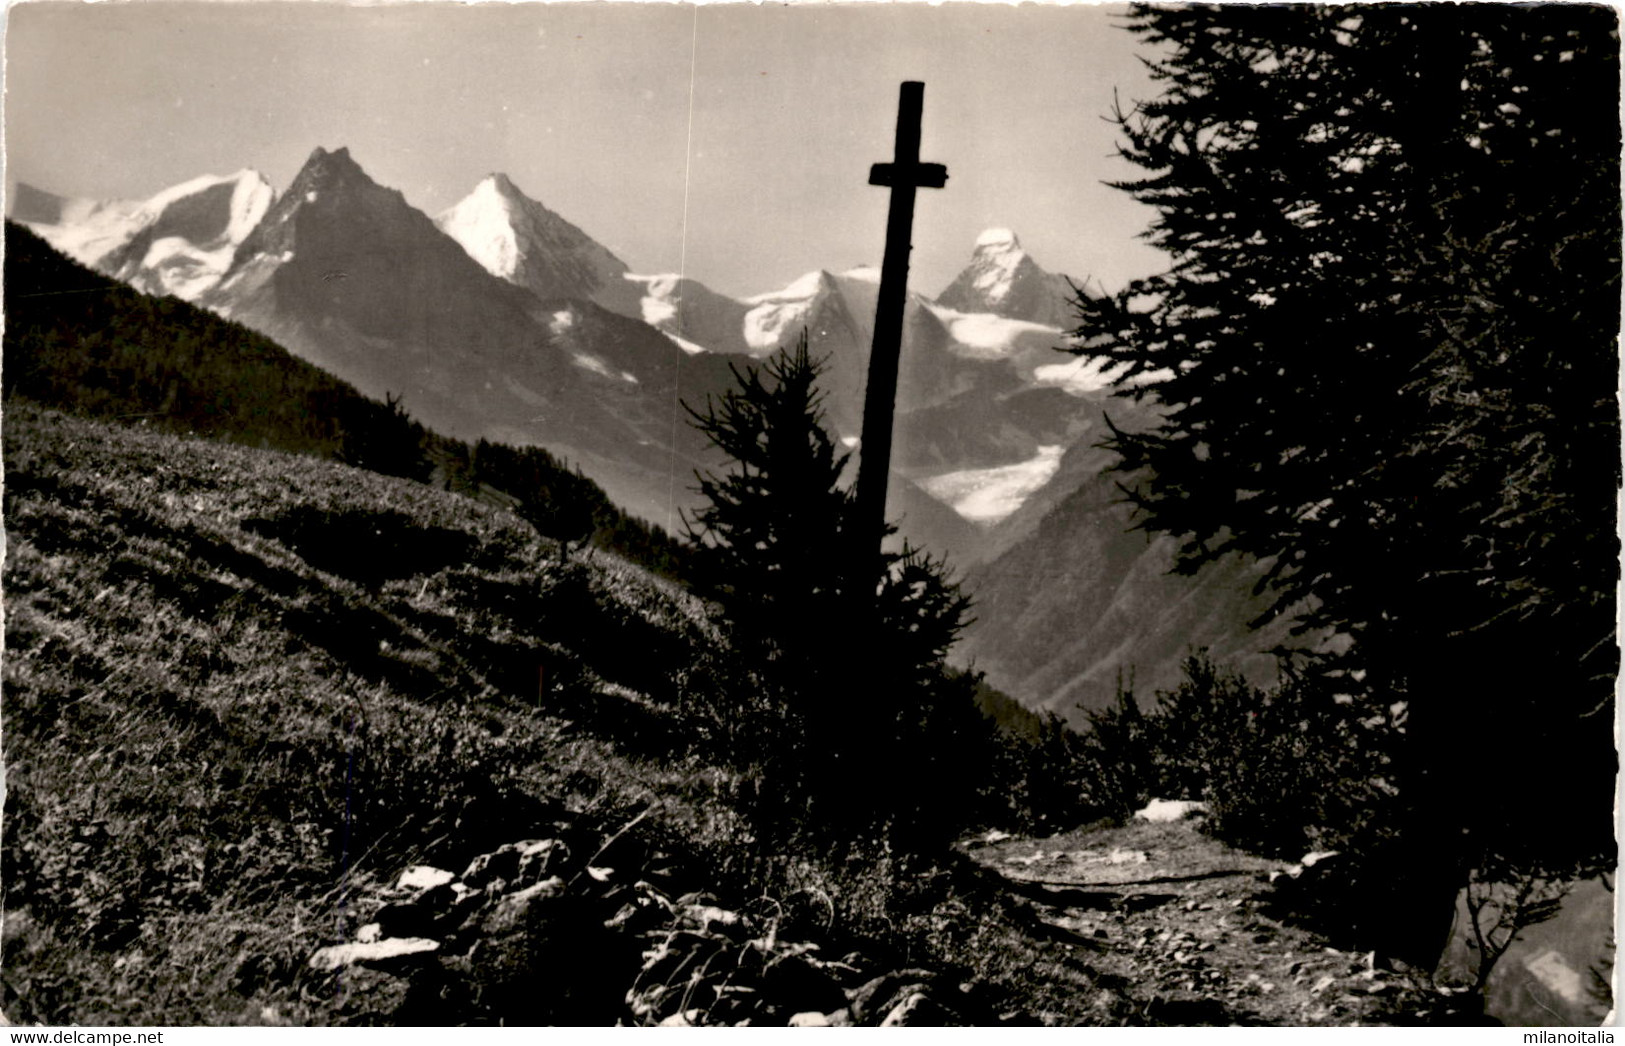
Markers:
423,877
1159,811
376,953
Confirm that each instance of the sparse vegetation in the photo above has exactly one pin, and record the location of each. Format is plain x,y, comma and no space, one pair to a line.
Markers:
218,730
1282,770
225,740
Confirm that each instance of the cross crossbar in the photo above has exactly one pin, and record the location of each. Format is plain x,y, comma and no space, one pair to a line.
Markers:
921,175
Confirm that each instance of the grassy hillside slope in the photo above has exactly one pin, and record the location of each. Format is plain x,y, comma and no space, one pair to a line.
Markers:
240,683
245,689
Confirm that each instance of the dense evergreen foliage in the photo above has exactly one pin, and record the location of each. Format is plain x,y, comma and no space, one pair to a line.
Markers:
1387,348
80,341
854,665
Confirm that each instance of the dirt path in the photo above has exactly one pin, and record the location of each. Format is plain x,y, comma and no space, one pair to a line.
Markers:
1176,921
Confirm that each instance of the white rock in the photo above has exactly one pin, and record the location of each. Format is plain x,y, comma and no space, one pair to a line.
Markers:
1160,811
332,958
903,1012
682,1019
424,877
809,1019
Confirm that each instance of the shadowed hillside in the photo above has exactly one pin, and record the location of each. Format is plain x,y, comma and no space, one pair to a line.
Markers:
81,341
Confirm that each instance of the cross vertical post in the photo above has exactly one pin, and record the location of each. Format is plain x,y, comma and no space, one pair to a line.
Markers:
903,175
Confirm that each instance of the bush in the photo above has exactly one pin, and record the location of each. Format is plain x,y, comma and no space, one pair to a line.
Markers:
1283,770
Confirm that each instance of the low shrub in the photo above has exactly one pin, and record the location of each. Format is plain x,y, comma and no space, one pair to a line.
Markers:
1283,769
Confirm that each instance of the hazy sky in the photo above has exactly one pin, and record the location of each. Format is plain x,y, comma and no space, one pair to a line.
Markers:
728,141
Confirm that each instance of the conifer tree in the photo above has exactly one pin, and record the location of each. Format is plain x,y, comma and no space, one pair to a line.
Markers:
1385,350
770,535
771,543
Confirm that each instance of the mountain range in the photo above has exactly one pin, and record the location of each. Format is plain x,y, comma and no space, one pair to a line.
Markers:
500,319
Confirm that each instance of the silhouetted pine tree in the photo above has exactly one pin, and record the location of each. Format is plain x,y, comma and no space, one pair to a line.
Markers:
1386,345
771,543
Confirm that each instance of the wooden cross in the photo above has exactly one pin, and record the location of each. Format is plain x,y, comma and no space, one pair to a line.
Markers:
903,175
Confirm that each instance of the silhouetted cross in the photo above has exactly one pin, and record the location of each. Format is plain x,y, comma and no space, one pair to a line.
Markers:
903,175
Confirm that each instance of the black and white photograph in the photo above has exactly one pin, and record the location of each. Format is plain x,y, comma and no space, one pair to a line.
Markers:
616,514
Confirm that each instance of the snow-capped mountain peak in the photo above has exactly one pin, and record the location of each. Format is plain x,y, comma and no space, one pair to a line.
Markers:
483,222
516,238
178,241
995,263
996,260
997,239
1002,278
774,317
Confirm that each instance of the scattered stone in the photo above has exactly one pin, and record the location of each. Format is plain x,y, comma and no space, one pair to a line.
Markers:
810,1019
511,910
423,877
882,994
708,916
682,1019
374,953
916,1010
1322,984
501,863
1161,811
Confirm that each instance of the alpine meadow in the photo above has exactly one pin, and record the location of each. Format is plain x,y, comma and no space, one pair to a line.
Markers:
418,615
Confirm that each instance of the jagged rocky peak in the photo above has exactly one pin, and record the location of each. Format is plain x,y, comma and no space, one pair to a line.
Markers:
331,159
500,182
327,169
